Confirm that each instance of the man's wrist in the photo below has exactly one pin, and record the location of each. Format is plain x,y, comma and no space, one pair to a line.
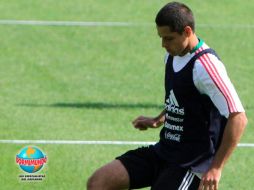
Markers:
158,121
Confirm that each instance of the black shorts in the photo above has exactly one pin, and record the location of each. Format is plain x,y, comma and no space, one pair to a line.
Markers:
146,169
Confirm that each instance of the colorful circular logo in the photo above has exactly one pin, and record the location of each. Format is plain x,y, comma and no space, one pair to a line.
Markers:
31,159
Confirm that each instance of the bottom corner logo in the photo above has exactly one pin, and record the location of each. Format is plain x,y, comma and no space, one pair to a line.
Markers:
31,159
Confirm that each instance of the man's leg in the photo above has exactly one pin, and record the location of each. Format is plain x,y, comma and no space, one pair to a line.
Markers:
112,176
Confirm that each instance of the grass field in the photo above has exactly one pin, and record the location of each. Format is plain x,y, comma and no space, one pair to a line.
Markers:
89,83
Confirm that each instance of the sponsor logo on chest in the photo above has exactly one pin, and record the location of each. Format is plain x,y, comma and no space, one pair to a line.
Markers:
172,104
173,132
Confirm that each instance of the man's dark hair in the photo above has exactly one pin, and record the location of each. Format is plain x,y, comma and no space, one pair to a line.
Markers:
177,16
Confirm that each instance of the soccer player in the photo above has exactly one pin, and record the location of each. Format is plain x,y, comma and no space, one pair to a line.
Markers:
203,118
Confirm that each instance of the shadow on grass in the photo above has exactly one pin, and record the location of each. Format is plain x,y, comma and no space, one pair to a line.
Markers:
97,105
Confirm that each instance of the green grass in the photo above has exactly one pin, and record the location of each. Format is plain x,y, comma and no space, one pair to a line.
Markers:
89,83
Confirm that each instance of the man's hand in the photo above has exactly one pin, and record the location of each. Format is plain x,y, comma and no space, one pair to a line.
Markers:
142,123
210,180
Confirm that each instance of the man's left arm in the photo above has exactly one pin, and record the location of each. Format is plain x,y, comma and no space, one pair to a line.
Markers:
233,131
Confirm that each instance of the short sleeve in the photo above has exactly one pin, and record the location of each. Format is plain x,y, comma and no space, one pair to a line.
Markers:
210,78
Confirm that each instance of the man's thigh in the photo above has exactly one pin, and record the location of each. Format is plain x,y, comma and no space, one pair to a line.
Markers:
143,166
110,176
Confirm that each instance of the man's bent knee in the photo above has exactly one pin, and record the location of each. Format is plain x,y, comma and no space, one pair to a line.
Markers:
112,176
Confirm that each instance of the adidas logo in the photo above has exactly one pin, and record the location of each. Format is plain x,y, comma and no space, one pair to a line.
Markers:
172,104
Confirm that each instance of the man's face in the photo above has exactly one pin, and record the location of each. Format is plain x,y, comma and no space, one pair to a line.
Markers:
173,42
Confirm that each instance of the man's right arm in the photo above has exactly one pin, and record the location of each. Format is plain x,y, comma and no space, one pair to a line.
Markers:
143,123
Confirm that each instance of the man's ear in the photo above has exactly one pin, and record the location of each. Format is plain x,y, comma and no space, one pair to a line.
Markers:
188,31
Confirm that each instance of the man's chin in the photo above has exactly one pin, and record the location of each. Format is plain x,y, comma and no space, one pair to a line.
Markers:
172,53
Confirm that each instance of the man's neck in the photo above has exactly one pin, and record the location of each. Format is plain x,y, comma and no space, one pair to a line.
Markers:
193,41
